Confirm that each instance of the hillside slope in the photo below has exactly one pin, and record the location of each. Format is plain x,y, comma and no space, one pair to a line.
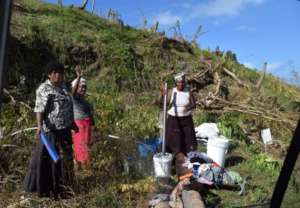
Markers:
124,67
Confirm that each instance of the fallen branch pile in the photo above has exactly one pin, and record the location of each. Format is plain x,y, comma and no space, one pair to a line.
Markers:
214,100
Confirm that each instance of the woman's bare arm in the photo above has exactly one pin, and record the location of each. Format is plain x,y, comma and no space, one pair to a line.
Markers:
78,73
192,103
39,120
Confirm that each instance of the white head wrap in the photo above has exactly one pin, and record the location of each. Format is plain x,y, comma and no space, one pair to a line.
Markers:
179,77
81,82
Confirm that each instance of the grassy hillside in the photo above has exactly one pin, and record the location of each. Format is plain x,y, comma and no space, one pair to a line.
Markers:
124,67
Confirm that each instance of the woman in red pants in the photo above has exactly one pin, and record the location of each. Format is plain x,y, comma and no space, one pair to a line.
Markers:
84,120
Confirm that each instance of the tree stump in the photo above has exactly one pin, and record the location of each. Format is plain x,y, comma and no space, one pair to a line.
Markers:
192,199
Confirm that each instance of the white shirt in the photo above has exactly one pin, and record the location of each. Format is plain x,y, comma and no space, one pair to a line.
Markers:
179,101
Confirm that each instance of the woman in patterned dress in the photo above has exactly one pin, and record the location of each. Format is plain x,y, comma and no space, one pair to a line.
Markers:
55,118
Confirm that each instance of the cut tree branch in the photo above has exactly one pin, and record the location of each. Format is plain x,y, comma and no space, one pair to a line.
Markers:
259,82
13,100
85,2
231,74
9,95
93,7
23,130
217,80
199,75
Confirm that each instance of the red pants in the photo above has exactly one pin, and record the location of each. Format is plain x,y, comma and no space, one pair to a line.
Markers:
82,140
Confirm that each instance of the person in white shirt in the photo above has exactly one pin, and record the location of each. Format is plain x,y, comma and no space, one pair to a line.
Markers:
180,132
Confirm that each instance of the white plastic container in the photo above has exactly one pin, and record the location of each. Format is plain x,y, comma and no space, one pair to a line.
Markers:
266,136
162,165
217,149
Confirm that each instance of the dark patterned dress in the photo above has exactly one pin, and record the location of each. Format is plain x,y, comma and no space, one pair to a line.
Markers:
45,176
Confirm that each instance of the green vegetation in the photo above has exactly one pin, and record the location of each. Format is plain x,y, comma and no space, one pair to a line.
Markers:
124,67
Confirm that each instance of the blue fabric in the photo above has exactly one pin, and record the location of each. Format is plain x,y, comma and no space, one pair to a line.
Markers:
49,146
148,147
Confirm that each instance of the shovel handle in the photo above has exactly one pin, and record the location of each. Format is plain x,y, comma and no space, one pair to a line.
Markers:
164,119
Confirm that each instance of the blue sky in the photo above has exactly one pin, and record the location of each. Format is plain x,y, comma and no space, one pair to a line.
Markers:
256,30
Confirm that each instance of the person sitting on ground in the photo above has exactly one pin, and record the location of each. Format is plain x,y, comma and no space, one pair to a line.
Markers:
84,120
180,132
55,119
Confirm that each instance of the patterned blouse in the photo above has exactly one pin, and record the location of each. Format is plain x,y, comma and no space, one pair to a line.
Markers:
56,105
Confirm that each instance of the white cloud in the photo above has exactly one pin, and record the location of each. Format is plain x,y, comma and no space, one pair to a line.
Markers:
249,65
246,28
222,7
166,18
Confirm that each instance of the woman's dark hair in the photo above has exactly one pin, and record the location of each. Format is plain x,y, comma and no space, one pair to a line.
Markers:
54,67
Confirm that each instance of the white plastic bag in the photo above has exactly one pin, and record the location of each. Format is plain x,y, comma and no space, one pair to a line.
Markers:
207,130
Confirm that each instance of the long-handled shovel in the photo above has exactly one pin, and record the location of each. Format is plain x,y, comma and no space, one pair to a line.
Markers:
163,161
164,119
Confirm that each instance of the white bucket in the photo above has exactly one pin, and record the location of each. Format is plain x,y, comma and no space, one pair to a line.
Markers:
162,164
217,149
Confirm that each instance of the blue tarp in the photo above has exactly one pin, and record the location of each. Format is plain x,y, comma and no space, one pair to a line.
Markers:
148,147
